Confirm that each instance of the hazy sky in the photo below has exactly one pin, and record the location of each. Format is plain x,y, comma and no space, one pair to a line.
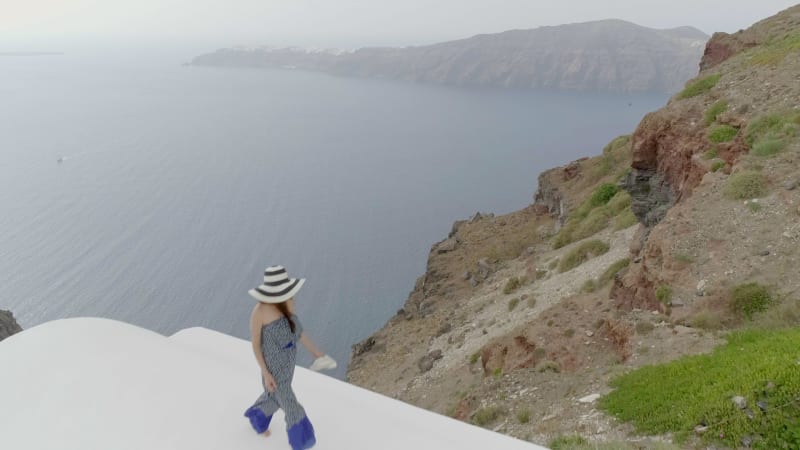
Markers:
344,23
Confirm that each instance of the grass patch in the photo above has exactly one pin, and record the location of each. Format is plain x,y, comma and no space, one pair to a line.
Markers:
770,134
531,302
513,304
566,442
700,86
750,298
473,358
595,214
768,147
485,416
714,111
676,397
644,327
683,258
723,133
523,416
711,154
548,366
613,155
754,207
744,185
626,219
612,270
716,165
664,294
706,320
582,253
773,52
512,285
782,314
498,372
603,194
589,286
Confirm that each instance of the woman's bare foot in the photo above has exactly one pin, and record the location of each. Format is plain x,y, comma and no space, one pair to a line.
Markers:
266,433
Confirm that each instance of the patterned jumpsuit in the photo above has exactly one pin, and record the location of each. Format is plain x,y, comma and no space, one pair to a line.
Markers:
279,347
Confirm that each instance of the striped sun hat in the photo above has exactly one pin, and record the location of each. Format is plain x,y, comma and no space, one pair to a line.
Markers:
277,287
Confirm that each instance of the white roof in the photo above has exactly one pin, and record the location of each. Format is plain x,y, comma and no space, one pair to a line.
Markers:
100,384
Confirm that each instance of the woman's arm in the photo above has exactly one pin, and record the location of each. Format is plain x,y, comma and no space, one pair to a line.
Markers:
255,338
306,341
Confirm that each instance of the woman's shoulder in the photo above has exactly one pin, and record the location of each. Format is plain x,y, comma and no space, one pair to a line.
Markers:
265,313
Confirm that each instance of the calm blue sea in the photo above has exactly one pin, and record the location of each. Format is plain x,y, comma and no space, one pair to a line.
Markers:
180,184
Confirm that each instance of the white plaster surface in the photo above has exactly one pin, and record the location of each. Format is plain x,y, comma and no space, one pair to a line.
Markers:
88,384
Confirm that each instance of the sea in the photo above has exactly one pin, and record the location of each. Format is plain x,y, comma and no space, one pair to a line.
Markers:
155,193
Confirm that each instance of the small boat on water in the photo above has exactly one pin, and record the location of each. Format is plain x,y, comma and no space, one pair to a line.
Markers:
60,159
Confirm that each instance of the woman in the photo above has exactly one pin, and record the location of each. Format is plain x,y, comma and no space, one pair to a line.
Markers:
275,331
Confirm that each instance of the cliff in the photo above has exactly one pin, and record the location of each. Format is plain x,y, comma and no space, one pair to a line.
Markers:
632,258
8,325
608,55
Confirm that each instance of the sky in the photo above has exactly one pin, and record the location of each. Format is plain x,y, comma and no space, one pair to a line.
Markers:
340,23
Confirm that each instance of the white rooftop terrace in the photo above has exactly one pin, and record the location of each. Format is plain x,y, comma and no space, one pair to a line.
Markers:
88,384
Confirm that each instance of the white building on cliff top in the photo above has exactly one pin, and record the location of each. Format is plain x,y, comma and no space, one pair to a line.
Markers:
88,384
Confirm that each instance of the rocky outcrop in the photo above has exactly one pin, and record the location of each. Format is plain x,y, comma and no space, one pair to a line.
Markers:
673,148
608,55
8,325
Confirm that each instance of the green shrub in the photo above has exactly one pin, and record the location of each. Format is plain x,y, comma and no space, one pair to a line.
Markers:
513,303
683,258
625,220
582,253
706,320
512,285
664,294
714,111
772,127
677,396
750,298
485,416
700,86
473,358
768,147
754,206
603,194
716,165
711,153
548,366
523,416
612,270
566,442
589,286
644,327
744,185
774,51
498,372
531,302
723,133
594,214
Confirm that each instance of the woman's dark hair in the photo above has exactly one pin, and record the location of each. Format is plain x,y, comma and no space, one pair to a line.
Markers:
283,307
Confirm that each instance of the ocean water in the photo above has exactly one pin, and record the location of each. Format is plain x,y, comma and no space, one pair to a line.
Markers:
179,185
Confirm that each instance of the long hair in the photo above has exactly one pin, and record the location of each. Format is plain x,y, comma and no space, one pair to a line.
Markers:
283,307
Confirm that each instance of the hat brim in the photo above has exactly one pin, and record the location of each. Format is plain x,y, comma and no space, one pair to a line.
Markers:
277,299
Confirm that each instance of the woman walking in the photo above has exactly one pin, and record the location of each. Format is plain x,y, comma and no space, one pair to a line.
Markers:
275,331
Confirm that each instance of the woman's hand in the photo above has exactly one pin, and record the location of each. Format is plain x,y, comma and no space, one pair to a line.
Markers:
269,381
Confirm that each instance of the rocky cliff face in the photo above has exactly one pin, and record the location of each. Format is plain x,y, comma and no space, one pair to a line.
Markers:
8,325
750,75
609,55
528,314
